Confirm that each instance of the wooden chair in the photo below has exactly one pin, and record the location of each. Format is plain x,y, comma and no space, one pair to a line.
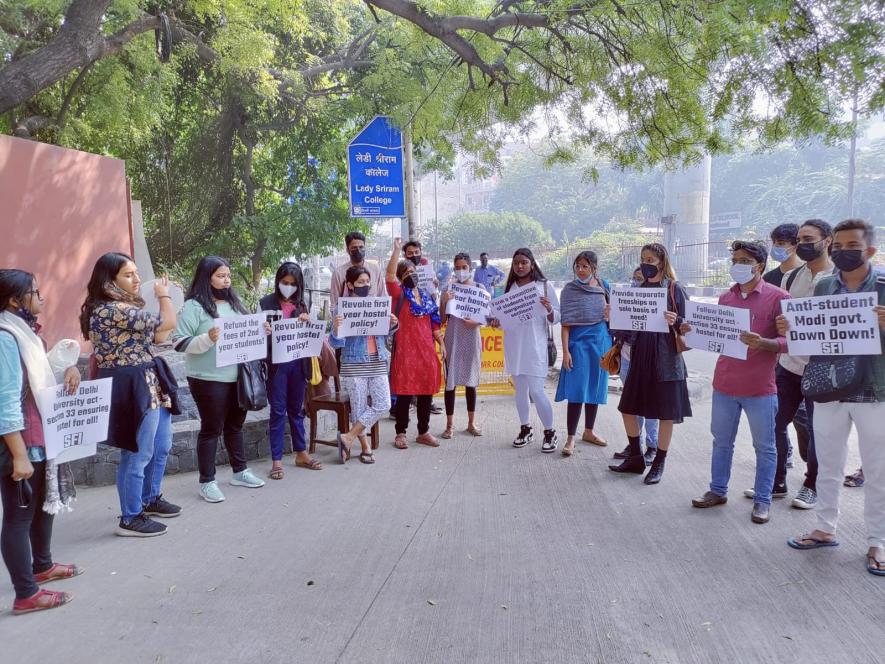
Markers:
339,403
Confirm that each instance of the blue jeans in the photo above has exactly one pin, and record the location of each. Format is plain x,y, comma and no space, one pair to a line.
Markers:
140,473
287,385
651,426
726,417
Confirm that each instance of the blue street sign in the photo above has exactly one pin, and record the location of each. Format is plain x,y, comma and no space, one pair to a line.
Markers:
375,171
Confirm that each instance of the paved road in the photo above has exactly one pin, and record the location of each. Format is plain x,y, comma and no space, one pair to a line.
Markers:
475,552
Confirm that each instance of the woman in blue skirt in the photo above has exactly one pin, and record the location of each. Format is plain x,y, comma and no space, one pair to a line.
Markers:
585,339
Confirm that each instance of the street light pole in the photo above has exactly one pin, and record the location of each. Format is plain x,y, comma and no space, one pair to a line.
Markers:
410,183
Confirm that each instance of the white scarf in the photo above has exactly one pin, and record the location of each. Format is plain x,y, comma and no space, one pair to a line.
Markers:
32,352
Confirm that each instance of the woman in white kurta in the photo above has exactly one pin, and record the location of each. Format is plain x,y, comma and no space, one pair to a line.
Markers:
525,350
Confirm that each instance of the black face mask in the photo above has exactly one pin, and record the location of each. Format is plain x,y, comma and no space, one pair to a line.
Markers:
357,255
361,291
847,260
415,259
808,251
220,293
409,282
649,271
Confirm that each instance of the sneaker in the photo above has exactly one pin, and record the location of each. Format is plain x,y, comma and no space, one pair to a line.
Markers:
649,455
140,526
525,436
210,492
247,479
776,492
162,508
551,440
806,499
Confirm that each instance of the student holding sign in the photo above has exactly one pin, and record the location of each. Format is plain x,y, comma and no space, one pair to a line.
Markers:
463,352
747,386
525,351
585,339
656,386
363,372
24,481
855,394
144,391
214,388
415,368
287,381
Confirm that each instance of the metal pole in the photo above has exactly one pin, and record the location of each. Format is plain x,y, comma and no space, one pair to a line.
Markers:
435,218
410,182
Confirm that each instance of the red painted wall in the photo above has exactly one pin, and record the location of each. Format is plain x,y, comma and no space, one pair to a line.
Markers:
60,209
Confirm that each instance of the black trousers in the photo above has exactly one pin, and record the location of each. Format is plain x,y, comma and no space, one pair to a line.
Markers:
220,414
789,398
403,402
469,396
27,532
573,416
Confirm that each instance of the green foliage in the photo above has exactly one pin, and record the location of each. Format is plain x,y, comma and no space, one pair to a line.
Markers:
498,233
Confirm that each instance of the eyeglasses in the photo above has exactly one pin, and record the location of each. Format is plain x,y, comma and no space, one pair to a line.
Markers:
36,292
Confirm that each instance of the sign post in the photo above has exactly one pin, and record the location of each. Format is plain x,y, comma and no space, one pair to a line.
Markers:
375,171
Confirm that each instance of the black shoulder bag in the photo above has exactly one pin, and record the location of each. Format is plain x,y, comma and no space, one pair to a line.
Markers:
551,345
252,385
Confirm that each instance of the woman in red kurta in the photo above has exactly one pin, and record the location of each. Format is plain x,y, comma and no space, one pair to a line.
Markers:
414,367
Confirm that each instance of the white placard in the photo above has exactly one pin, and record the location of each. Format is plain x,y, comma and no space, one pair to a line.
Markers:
242,339
638,309
152,304
833,324
518,306
74,423
294,339
717,329
468,302
364,316
426,278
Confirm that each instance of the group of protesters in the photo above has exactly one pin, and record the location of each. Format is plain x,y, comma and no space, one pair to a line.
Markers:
426,348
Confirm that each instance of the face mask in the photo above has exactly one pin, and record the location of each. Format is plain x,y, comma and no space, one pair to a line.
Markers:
462,275
357,255
847,260
780,254
220,293
808,251
415,259
361,291
649,271
409,282
742,274
287,290
584,281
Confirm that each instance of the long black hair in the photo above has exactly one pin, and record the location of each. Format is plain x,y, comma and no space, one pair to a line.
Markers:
290,269
353,273
105,271
14,284
201,287
536,273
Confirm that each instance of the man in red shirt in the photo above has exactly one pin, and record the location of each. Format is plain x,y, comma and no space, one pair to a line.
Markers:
747,385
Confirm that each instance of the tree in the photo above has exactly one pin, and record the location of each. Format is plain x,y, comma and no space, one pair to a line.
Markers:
498,234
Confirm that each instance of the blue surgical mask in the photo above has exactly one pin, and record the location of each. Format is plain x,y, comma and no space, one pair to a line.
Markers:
780,254
583,281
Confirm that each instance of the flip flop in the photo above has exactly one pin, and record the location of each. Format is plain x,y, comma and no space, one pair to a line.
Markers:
796,542
342,448
313,464
276,473
876,571
367,457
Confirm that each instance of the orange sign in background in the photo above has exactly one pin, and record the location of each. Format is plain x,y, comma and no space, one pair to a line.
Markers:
493,379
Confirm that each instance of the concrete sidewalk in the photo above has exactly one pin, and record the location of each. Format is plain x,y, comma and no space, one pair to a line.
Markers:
473,552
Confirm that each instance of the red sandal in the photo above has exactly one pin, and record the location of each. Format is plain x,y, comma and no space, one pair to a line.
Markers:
40,601
57,572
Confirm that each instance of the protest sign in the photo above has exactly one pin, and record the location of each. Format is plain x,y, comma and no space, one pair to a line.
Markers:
519,306
242,339
468,302
717,329
294,339
639,309
426,278
833,324
364,316
74,423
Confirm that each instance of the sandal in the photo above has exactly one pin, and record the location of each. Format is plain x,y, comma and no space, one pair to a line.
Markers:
40,601
474,431
367,457
567,451
57,572
401,442
856,480
594,439
276,473
797,542
311,464
875,567
448,433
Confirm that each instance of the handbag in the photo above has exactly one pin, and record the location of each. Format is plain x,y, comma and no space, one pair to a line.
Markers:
551,345
678,339
252,385
390,340
316,376
611,360
829,378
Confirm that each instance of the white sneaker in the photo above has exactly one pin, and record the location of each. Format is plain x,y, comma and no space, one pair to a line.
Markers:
247,479
806,499
750,493
210,492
